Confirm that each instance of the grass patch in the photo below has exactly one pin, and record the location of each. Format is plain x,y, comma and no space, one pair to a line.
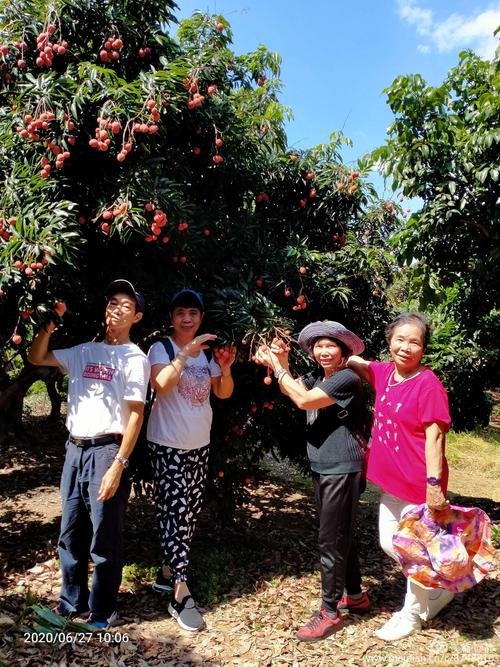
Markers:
214,570
138,574
211,570
476,451
37,388
285,470
474,464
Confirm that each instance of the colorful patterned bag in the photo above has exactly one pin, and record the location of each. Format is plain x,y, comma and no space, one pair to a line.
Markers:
448,549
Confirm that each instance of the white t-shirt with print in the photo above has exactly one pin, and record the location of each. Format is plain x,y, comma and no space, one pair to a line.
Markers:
182,418
102,378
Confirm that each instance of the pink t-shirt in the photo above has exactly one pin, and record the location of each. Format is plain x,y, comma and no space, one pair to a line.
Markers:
402,410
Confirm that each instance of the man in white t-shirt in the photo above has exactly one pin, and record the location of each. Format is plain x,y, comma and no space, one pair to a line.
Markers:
183,373
106,393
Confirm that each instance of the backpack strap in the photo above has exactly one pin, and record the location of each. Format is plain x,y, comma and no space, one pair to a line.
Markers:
151,393
169,348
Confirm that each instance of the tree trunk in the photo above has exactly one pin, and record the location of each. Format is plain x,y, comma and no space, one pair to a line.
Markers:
13,393
52,384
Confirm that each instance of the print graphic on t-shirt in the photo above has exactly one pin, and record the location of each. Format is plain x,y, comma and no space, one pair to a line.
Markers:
98,372
397,464
194,384
391,433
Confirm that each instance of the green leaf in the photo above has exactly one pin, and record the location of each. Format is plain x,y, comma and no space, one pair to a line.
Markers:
483,174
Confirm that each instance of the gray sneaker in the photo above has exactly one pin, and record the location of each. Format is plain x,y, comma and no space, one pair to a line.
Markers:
186,613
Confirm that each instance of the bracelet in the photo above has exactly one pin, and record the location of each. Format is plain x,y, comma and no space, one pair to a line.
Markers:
279,374
121,459
182,357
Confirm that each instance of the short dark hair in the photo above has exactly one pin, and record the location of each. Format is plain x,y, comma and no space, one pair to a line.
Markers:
346,352
410,318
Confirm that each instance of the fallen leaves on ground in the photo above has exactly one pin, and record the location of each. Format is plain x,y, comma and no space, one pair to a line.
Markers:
267,587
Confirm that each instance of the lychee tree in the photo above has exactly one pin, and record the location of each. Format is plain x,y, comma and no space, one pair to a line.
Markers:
443,147
126,152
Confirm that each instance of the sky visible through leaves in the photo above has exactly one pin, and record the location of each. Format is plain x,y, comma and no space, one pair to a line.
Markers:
339,56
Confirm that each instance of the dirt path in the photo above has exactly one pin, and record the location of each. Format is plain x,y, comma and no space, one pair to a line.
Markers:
259,581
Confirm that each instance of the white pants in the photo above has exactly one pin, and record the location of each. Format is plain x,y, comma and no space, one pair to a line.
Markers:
390,511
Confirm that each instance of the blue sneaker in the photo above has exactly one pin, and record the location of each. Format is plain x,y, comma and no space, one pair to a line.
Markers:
104,624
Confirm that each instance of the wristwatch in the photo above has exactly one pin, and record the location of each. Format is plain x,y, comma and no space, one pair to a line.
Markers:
121,459
433,481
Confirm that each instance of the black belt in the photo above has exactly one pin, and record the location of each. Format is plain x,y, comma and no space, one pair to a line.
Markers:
99,440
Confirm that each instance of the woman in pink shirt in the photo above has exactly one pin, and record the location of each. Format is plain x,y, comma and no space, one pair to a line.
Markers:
407,461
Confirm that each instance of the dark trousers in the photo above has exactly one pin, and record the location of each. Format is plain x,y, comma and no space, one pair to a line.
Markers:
90,528
337,501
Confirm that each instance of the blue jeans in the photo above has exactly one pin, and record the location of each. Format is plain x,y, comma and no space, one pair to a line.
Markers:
90,527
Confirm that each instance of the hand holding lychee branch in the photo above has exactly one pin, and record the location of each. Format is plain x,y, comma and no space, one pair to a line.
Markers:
266,357
273,355
54,317
225,357
281,349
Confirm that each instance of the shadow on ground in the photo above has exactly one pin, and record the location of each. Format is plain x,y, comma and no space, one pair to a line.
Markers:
271,544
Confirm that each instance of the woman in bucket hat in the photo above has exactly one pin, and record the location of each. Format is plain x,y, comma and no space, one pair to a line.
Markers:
332,395
407,458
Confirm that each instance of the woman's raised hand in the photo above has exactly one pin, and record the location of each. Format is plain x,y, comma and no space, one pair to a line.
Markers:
225,356
280,348
265,356
198,343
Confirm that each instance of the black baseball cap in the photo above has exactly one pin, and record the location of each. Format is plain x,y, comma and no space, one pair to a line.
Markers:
187,298
126,287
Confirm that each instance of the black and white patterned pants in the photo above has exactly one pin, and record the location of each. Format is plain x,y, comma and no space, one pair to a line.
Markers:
179,477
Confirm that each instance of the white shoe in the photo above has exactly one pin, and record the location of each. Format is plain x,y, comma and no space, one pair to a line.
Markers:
434,605
398,627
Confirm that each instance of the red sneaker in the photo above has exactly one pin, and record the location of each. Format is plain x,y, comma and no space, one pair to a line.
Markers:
354,606
319,627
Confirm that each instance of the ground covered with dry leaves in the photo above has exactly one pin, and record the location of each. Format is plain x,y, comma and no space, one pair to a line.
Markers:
258,581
